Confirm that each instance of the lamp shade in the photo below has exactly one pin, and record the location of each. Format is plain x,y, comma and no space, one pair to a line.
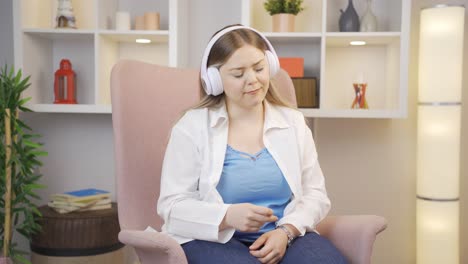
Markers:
438,151
437,232
438,137
440,49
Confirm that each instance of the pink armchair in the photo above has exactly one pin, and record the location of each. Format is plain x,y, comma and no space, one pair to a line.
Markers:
146,101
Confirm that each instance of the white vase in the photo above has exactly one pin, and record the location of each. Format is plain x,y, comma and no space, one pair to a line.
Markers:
368,20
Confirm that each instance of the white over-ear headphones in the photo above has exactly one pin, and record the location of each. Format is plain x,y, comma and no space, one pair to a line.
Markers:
210,75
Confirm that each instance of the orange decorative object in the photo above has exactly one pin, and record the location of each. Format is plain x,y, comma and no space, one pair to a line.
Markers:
360,101
293,66
64,84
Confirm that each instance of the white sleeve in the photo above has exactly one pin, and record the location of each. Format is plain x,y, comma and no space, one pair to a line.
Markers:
314,204
180,204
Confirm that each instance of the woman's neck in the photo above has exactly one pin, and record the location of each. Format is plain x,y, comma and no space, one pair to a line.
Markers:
250,115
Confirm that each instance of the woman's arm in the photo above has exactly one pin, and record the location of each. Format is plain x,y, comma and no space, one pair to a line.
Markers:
314,203
180,204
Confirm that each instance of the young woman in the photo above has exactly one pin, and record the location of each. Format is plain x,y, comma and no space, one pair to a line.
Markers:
241,181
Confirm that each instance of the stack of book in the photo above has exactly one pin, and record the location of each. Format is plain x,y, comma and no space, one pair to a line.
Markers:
80,201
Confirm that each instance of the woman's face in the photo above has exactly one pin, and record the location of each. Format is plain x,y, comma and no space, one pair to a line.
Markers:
245,77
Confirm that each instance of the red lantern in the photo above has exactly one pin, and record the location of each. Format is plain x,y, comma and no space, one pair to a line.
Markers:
64,85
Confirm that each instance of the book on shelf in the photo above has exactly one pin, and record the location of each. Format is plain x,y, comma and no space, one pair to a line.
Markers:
81,204
80,201
67,207
81,195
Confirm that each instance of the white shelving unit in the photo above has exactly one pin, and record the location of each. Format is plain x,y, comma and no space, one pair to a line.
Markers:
93,48
96,46
328,55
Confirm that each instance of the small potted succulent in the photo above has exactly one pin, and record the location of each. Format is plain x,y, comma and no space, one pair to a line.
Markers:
283,13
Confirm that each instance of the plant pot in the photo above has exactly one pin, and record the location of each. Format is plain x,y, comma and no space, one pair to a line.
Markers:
7,260
283,22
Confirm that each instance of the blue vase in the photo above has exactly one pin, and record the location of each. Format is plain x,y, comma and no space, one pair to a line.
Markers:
349,19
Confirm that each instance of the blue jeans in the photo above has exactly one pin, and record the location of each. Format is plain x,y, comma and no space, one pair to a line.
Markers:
311,248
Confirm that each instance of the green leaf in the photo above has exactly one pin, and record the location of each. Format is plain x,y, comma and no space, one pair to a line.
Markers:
31,144
24,101
21,259
39,153
274,7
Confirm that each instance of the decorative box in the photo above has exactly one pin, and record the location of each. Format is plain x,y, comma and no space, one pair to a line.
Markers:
306,92
293,66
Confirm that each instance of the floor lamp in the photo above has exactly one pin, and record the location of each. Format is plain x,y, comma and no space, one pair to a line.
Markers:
438,137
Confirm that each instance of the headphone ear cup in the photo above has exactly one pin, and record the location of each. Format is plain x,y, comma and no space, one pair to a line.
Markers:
206,84
273,63
214,78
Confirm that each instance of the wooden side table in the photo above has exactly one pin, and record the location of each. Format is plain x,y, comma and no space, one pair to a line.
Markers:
90,237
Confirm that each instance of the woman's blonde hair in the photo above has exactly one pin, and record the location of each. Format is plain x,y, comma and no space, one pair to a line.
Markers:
221,51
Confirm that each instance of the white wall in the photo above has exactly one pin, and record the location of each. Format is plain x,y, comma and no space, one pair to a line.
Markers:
203,26
369,163
6,32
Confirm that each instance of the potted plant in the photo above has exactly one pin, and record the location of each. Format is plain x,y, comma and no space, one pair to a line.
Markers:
19,153
283,13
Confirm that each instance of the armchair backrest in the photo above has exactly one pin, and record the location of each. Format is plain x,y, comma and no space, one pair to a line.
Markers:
147,100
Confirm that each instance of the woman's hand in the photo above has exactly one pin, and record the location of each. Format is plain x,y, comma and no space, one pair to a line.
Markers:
247,217
270,247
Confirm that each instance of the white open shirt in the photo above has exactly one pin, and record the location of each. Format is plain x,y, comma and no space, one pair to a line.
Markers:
189,202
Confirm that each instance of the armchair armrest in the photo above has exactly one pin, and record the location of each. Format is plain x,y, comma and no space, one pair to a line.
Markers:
353,235
153,247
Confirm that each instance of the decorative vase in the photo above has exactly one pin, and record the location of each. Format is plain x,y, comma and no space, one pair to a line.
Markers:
65,17
360,101
283,22
368,20
349,19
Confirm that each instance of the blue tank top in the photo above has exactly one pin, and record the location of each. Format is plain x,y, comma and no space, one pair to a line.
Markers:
255,179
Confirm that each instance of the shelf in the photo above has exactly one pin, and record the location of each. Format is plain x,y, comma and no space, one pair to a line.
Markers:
388,13
363,34
71,108
95,47
156,36
376,65
42,52
351,113
308,48
308,21
293,37
60,34
343,39
308,112
108,8
41,14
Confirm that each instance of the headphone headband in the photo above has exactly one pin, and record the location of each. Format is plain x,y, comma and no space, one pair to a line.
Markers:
217,36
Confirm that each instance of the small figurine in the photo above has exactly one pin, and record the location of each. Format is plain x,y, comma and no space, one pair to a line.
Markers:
65,17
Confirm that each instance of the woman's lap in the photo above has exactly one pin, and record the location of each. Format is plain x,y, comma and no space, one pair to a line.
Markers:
205,252
311,248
